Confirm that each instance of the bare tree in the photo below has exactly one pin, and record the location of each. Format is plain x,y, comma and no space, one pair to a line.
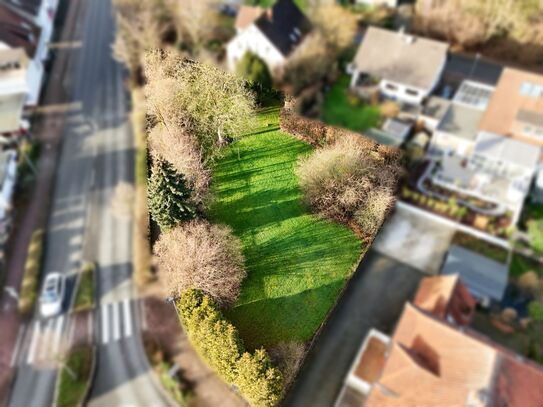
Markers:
336,24
202,256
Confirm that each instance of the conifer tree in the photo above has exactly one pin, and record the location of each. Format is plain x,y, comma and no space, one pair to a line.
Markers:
169,196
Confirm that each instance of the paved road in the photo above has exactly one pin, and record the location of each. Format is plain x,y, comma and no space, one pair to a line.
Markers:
96,156
379,280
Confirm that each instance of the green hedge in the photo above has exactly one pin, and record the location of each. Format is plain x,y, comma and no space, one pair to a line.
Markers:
29,286
74,377
218,343
84,299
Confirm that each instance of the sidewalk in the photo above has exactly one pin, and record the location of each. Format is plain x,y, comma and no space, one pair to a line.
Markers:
48,130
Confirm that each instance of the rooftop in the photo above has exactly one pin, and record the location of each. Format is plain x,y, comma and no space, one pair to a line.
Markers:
460,67
410,60
461,121
484,278
284,25
508,150
247,15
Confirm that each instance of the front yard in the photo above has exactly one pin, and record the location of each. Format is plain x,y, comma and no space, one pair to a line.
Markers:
341,109
296,262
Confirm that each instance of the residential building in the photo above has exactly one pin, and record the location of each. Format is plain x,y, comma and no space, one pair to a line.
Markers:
13,89
19,31
8,176
431,361
403,67
516,107
273,34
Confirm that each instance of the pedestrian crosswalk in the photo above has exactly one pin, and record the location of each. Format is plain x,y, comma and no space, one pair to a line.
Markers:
116,321
46,341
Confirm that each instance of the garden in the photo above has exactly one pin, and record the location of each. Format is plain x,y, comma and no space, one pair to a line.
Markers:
346,110
296,263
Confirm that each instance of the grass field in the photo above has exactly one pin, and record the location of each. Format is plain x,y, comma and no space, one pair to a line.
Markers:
296,262
339,111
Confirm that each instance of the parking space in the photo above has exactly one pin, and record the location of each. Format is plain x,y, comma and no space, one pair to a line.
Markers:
415,239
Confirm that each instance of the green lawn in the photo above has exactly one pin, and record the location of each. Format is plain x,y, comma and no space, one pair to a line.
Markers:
339,110
296,262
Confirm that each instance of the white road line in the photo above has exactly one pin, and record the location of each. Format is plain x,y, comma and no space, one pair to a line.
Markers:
46,339
58,333
143,315
116,322
105,323
33,343
127,318
15,354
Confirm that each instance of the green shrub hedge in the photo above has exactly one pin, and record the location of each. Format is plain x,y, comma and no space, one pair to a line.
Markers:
218,343
29,286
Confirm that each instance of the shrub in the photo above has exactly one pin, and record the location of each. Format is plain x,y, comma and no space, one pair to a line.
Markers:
169,196
535,310
530,283
288,357
339,181
535,230
218,343
29,286
254,69
203,256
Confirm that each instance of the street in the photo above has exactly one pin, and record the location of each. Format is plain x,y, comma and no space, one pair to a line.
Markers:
96,156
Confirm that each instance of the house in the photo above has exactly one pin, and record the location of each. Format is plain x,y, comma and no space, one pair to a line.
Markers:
404,67
13,89
429,361
273,34
516,107
19,31
486,279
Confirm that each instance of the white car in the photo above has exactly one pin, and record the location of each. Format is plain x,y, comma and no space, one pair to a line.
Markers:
52,295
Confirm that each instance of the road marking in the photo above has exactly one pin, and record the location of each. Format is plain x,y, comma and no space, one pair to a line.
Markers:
116,322
58,332
46,338
105,324
33,343
15,354
127,318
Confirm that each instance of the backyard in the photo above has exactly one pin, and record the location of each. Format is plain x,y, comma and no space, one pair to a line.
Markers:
343,110
296,262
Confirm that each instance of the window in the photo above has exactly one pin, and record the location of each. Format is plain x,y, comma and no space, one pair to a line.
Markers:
391,87
412,92
530,89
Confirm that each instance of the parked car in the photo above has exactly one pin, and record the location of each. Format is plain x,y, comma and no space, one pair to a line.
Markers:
52,295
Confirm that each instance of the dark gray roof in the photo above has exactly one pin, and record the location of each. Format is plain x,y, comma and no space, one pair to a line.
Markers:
485,278
284,25
29,7
530,117
461,121
401,58
462,67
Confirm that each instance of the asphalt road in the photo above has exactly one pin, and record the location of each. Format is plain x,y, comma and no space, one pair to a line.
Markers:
97,155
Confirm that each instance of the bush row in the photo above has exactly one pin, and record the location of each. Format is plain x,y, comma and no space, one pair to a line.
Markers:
218,343
320,134
29,286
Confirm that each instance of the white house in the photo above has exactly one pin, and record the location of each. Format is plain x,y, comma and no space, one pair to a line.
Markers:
13,88
273,34
405,67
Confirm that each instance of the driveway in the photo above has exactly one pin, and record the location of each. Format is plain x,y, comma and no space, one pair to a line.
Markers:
374,298
415,239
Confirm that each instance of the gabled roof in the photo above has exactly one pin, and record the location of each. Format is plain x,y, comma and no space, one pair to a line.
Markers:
434,293
16,30
247,15
432,364
401,58
284,25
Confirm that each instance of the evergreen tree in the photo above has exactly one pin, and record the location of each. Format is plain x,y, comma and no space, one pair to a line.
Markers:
168,196
254,70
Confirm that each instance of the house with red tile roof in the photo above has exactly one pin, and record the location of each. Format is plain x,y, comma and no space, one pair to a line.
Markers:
430,361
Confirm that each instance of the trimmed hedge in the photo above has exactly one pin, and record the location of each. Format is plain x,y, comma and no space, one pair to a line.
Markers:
218,343
29,286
